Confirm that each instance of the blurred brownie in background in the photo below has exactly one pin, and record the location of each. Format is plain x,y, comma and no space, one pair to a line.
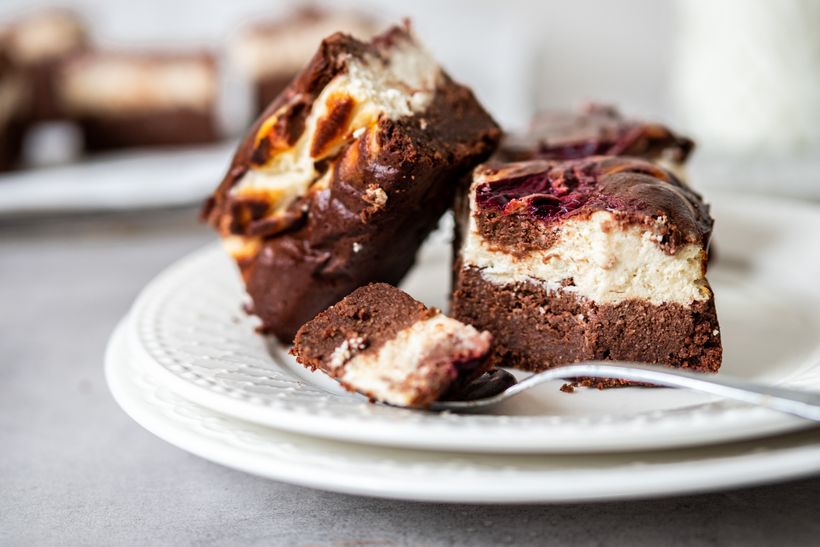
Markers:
37,44
270,53
596,130
141,99
14,111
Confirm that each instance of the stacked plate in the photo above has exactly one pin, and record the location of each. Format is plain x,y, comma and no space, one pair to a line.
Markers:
187,365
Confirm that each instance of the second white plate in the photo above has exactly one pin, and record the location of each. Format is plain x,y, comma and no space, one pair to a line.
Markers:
445,476
188,326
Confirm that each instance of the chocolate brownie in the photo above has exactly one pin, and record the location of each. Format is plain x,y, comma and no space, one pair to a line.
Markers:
596,130
343,177
270,53
135,99
382,343
594,258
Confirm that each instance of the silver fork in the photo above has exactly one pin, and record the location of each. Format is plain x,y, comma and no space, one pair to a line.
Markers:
805,404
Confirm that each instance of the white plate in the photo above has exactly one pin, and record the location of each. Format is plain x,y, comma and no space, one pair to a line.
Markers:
442,476
117,181
188,326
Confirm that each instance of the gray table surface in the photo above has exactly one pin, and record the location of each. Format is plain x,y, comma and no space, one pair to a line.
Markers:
74,469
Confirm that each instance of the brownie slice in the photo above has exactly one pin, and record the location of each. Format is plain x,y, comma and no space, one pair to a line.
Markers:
346,173
597,258
141,99
382,343
270,53
596,130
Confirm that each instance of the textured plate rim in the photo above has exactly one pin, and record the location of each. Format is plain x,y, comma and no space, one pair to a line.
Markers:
721,421
752,466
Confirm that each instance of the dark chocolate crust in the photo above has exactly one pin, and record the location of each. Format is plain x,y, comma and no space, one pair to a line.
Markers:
346,234
149,128
535,329
595,130
519,206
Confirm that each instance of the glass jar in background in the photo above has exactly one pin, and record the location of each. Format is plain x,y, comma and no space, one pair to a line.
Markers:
745,78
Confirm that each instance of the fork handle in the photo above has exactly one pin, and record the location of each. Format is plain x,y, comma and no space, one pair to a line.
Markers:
805,404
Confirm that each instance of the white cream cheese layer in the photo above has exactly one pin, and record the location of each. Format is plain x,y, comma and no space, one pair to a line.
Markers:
116,85
606,263
409,364
400,87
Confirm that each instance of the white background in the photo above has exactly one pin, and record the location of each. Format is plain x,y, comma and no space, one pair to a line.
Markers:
516,54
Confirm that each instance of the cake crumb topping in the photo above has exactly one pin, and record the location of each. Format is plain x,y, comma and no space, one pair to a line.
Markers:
375,195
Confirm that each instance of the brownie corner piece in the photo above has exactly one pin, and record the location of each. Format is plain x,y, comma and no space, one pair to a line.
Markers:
382,343
589,259
341,179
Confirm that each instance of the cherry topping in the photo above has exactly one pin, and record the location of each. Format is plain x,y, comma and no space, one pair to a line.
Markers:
553,193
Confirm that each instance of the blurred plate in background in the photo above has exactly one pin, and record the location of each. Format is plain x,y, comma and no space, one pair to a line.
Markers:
116,182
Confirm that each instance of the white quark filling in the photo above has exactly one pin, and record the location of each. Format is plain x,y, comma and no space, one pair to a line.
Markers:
346,351
607,264
115,85
403,86
260,52
398,372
